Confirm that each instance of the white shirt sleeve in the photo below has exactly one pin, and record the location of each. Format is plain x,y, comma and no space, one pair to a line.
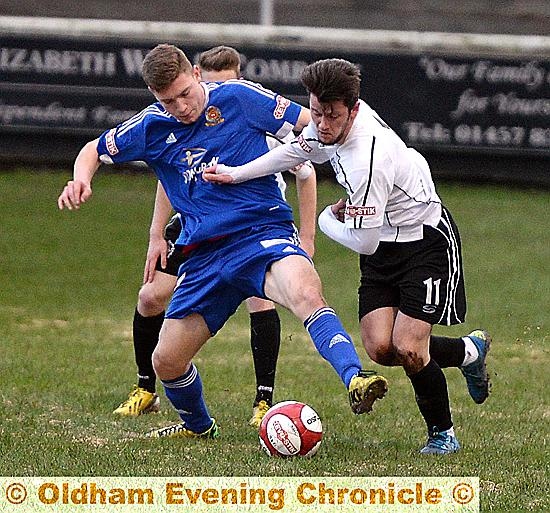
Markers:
274,161
361,240
302,148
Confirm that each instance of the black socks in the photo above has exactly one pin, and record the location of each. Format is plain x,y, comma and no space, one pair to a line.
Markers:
146,335
265,341
432,397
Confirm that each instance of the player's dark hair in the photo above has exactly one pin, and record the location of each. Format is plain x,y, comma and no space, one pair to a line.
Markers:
162,65
332,80
220,58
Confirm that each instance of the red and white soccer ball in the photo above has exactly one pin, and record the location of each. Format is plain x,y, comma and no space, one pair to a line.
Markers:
291,428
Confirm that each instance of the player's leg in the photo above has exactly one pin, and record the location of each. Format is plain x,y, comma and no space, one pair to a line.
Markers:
152,300
265,341
377,295
397,312
202,302
376,334
468,353
411,342
147,322
324,327
179,342
148,317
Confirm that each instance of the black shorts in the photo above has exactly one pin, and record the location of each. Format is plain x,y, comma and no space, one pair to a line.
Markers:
423,278
175,257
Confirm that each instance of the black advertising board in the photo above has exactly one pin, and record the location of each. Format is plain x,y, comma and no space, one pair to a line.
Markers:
465,103
67,85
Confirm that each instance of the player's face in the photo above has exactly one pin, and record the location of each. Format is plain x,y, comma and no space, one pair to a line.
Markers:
184,97
333,120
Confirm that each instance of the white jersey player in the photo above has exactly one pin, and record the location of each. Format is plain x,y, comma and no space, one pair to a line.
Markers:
409,246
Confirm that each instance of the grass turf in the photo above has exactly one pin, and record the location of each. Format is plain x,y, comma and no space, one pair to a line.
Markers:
69,287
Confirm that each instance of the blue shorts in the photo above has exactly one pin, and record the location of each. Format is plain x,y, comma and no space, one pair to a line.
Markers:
218,276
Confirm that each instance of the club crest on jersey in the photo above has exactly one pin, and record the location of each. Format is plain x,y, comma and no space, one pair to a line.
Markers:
213,116
355,211
110,142
282,105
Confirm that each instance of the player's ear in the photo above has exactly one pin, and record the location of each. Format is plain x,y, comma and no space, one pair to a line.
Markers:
354,111
197,72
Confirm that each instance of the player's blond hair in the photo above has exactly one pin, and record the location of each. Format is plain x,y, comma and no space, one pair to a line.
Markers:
163,64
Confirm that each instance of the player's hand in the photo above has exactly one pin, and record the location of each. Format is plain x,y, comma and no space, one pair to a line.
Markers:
74,194
217,174
158,248
338,209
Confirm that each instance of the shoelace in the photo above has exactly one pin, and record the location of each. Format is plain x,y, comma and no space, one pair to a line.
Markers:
135,393
172,429
440,441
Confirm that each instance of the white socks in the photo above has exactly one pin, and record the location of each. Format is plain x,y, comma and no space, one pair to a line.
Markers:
471,354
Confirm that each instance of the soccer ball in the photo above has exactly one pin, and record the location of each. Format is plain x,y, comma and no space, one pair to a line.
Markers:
291,428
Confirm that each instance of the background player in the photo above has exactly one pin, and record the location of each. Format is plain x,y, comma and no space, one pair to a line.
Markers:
411,264
161,269
240,241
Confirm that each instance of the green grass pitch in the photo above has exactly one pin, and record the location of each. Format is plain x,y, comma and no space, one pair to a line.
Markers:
69,283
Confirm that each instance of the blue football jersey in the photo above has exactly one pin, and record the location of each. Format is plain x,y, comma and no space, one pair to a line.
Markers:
231,130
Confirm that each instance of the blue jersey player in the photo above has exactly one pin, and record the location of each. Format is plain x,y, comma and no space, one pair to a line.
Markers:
240,241
217,64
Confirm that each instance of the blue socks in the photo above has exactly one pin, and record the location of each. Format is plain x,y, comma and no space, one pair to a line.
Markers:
329,337
185,394
333,343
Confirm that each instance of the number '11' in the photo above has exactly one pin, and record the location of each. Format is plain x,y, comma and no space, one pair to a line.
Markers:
432,291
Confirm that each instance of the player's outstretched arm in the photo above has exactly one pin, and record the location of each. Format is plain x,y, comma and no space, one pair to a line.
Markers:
79,189
274,161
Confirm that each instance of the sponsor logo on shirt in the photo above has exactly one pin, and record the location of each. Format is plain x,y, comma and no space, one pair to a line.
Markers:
303,144
110,142
213,116
193,156
171,138
192,159
282,105
355,211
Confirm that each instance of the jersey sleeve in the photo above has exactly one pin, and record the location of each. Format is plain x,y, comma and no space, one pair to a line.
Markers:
124,143
266,110
308,145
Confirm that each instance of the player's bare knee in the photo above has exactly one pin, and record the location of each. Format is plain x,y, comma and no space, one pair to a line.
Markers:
151,301
385,357
381,352
411,361
166,366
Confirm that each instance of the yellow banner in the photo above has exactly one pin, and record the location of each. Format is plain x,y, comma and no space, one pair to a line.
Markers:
228,494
